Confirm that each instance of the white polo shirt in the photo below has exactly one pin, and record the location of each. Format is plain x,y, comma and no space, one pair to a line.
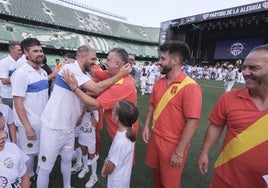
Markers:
12,165
64,107
7,66
22,60
33,86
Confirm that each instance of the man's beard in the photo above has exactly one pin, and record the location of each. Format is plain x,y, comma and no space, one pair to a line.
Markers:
259,80
263,79
165,69
39,60
89,67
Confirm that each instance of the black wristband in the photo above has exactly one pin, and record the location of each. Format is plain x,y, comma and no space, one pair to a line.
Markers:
75,88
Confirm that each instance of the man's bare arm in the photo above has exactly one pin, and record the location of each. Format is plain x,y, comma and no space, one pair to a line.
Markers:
12,132
95,89
213,134
148,120
18,103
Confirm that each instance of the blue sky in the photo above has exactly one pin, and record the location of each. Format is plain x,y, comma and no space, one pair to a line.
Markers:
153,12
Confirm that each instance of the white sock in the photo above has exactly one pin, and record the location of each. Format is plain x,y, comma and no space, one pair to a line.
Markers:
94,168
85,159
78,152
66,173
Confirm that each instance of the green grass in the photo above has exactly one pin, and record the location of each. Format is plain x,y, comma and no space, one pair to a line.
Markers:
141,174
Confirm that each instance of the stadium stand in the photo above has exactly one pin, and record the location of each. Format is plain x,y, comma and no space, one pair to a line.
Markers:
2,54
64,28
67,40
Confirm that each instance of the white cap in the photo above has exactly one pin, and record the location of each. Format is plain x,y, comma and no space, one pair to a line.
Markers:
230,66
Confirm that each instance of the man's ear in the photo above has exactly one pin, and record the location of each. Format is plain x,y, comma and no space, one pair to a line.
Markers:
118,64
177,60
81,56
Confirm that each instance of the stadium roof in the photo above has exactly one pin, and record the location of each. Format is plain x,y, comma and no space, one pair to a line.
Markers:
225,13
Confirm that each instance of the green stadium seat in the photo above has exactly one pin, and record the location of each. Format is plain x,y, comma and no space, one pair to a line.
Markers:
47,12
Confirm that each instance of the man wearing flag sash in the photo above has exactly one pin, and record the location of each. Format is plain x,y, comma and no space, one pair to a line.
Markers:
174,110
242,162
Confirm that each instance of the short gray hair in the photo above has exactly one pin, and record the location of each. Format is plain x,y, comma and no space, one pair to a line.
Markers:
121,54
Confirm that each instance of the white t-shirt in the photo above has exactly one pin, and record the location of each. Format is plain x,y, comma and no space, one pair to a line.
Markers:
8,117
230,75
147,69
12,165
64,107
33,86
87,133
22,60
143,81
121,154
152,69
151,78
7,67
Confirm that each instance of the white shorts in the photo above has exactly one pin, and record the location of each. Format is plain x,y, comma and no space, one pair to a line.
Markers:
54,142
29,146
88,139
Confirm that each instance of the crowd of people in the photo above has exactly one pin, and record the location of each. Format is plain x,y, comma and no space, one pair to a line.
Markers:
148,73
217,72
42,119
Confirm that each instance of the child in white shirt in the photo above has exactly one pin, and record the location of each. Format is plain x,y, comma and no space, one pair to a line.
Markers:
87,142
13,170
118,164
10,126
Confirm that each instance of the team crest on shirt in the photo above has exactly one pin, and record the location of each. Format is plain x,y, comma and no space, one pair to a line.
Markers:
43,158
30,145
86,128
3,182
8,162
173,90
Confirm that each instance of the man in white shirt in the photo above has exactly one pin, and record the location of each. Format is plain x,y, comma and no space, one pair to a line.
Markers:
7,66
30,94
62,111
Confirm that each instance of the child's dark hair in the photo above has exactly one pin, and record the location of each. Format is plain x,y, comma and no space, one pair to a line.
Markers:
128,114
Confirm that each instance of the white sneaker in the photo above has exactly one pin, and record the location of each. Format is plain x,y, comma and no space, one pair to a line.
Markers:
76,168
91,182
90,161
83,172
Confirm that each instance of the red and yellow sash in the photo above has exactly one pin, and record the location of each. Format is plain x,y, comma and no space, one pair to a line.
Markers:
246,140
168,95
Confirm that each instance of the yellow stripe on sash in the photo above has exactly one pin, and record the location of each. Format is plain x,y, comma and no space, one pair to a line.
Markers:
168,95
248,139
119,82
